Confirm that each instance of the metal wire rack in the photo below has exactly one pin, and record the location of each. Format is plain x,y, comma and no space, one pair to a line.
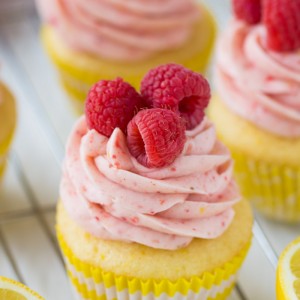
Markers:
28,249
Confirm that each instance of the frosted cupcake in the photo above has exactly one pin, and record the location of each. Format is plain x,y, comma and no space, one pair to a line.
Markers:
103,39
148,204
8,123
257,108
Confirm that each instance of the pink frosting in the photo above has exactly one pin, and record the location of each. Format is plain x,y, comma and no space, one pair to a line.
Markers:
121,30
258,84
110,195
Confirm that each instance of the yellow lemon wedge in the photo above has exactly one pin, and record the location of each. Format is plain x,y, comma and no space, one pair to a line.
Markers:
288,273
12,290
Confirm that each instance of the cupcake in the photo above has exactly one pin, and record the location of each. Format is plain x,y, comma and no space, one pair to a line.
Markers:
103,39
256,109
8,122
148,206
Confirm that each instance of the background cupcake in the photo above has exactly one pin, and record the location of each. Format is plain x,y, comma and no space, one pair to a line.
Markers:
103,39
8,123
148,204
257,108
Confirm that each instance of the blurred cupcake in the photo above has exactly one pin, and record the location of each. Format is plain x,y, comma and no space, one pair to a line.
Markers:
103,39
148,208
8,123
257,108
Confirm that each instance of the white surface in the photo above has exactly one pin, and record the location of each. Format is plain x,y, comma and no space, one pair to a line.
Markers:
28,249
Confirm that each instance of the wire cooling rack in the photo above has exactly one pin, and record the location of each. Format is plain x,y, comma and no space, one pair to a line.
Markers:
28,249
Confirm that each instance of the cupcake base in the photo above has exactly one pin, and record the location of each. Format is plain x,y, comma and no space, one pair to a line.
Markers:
79,71
267,167
101,269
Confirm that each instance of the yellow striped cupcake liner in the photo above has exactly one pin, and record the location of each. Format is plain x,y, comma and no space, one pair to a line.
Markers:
273,189
92,283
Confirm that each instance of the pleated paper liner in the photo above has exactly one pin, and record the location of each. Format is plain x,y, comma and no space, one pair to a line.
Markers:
274,189
91,282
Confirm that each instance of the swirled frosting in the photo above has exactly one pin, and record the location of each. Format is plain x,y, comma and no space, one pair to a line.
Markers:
111,196
256,83
121,30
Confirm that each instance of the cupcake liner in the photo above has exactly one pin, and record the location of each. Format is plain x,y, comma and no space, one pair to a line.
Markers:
93,283
274,189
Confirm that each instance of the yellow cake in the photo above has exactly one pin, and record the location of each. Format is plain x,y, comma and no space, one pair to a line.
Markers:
79,70
8,122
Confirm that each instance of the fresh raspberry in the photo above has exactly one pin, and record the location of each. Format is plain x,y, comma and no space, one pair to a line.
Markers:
174,87
111,104
247,10
156,137
282,20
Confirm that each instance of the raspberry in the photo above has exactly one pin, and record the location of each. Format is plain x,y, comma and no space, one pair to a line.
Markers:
111,104
282,20
156,137
247,10
174,87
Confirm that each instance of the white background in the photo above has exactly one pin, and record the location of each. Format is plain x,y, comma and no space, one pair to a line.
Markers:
28,248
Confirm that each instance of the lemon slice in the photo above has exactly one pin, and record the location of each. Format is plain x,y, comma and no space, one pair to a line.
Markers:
288,273
12,290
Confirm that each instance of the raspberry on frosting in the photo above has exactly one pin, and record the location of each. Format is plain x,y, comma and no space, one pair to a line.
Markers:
247,10
282,20
155,137
111,104
174,87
